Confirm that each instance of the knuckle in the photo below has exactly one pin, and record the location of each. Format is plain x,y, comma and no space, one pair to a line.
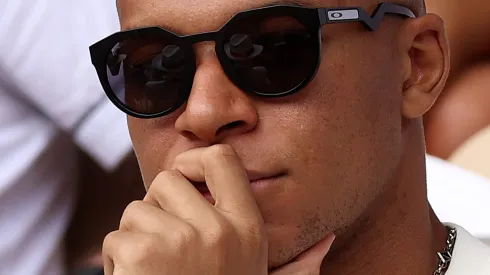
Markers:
164,180
131,249
222,233
141,252
132,210
130,213
167,176
109,240
186,234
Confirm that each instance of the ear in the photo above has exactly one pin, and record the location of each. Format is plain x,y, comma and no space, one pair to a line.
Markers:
426,63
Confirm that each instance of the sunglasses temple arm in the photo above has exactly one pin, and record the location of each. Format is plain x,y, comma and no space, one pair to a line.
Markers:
372,23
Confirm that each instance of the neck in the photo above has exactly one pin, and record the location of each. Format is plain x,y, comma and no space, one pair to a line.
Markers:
399,234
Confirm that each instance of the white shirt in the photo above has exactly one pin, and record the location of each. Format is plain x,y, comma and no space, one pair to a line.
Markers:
50,102
459,196
470,256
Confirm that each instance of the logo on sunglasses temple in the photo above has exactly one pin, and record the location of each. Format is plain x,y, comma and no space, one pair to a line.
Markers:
351,14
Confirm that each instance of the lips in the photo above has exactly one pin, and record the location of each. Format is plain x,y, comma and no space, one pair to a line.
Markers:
253,176
256,176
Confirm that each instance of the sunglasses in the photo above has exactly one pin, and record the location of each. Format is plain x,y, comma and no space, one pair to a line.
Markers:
270,52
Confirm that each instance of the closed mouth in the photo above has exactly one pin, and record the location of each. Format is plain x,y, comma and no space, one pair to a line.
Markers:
203,188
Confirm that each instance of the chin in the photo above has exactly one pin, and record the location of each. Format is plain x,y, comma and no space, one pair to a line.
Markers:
289,237
283,246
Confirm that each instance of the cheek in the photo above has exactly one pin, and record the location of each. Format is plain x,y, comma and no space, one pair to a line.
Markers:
338,134
152,141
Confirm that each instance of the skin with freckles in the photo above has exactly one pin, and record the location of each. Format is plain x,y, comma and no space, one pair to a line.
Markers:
349,147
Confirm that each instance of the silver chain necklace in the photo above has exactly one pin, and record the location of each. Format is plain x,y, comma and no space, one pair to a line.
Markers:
446,256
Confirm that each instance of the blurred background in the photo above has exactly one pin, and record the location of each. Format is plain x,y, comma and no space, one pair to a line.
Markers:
60,163
457,127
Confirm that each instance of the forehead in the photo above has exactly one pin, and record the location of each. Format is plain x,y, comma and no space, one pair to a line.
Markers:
193,16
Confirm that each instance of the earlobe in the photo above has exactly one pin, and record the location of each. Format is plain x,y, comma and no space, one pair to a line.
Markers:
416,102
427,64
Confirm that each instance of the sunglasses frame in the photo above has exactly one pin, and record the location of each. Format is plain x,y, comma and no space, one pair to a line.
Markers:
314,18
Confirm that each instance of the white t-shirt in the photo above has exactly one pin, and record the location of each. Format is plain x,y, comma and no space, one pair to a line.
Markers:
459,196
50,102
470,256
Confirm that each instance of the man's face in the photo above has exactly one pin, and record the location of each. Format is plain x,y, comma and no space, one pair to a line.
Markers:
335,144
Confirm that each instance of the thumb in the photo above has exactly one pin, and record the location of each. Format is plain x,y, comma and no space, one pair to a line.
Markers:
318,252
310,261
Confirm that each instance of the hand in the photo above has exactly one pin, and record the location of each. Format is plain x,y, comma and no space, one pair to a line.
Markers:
310,262
175,230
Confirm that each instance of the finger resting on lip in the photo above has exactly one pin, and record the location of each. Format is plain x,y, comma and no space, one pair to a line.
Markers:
221,169
190,165
174,193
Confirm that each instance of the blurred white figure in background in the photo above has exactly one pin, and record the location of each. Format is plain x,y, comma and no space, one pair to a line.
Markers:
50,102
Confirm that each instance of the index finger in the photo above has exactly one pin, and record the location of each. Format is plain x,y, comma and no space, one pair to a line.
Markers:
223,172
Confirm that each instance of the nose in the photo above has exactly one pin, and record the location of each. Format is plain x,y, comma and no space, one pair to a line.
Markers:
216,109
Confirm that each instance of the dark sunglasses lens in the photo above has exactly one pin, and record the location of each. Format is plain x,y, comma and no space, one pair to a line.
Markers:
273,54
149,76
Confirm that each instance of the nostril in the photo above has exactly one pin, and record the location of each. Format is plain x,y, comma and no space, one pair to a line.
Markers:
230,126
188,135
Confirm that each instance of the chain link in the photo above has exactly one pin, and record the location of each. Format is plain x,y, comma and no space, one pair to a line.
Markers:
447,254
